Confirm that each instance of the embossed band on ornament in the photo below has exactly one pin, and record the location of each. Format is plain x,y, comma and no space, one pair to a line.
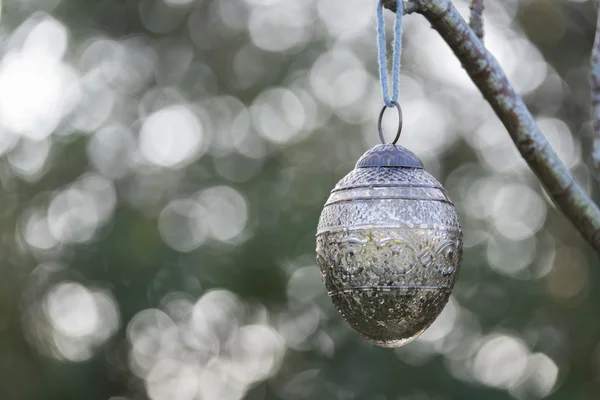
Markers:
378,193
399,197
388,185
388,288
333,229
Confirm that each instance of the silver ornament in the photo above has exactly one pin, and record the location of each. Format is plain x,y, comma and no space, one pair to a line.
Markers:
389,245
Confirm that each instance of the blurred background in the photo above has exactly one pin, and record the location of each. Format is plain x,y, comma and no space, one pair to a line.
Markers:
163,164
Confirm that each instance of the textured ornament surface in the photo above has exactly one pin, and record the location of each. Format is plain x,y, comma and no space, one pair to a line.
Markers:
389,155
389,245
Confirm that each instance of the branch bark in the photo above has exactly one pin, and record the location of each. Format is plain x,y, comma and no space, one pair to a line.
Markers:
410,6
491,80
476,22
595,86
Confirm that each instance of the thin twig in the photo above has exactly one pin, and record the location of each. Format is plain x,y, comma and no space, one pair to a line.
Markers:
595,86
491,80
476,22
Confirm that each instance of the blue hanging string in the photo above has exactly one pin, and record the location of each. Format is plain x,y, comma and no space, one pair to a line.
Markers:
383,72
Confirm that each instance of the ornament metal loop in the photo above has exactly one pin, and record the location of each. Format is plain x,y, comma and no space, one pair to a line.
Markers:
399,123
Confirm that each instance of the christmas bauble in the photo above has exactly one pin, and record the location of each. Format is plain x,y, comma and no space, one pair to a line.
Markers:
389,245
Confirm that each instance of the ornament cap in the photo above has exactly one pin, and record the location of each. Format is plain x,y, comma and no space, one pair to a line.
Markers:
389,155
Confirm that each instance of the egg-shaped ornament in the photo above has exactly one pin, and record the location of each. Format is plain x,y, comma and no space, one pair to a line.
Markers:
389,245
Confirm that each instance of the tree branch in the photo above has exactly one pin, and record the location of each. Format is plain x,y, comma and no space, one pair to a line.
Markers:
595,86
491,80
410,6
476,22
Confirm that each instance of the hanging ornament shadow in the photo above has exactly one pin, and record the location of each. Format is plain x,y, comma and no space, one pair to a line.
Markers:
389,241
